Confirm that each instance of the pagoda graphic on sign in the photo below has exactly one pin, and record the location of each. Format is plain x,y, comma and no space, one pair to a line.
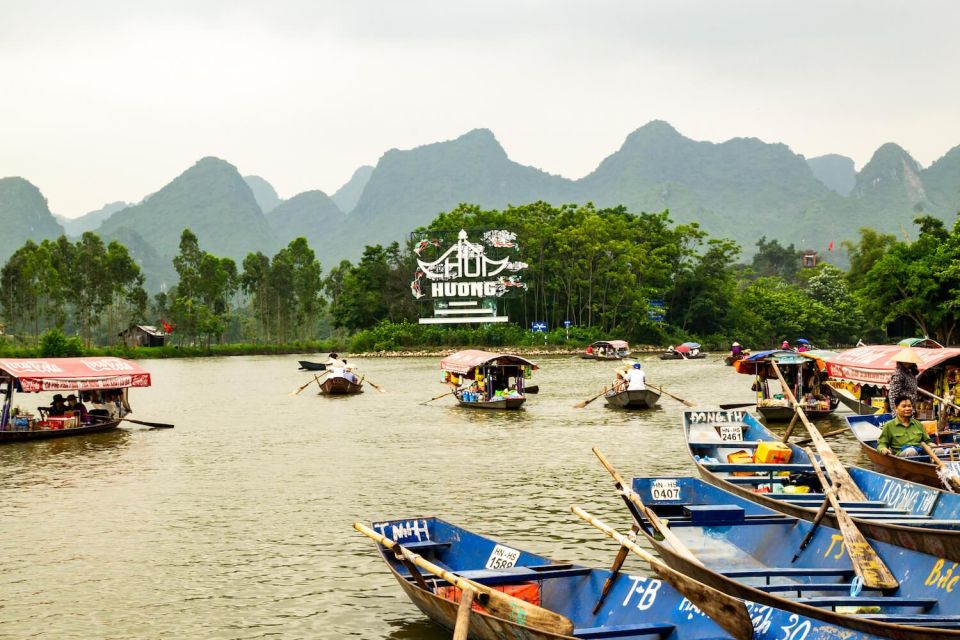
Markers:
466,279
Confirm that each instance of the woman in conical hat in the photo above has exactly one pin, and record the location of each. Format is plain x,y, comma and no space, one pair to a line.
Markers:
903,382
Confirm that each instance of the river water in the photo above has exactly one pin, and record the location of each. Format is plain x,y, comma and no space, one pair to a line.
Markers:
237,523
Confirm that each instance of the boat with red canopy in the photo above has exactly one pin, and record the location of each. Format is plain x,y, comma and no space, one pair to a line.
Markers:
607,350
485,380
804,372
94,378
860,377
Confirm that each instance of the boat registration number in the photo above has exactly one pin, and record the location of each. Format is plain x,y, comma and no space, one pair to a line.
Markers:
663,489
502,558
731,433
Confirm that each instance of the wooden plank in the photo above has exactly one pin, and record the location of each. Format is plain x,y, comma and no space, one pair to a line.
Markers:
838,473
461,629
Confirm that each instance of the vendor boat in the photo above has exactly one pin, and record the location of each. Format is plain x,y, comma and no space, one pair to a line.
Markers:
21,376
730,449
607,350
566,594
803,371
498,379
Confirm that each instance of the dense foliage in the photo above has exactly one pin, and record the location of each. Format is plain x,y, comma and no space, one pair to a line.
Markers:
608,271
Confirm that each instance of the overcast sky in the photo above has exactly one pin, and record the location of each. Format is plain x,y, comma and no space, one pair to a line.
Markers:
105,101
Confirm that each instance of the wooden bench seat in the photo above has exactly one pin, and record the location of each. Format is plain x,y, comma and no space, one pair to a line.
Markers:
619,631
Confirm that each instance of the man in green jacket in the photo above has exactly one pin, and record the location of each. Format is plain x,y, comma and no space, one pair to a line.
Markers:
902,435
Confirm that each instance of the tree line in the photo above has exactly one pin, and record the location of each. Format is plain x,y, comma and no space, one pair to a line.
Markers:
619,274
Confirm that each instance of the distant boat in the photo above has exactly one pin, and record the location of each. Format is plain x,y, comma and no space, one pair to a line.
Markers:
499,378
805,372
312,366
607,350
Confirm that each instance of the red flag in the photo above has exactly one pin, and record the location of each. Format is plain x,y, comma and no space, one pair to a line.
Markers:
830,246
166,327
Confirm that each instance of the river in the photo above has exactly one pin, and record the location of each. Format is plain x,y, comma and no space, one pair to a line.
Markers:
237,523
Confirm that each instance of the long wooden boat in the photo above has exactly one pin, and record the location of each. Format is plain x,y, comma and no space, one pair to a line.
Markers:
607,350
486,380
914,468
21,376
864,374
895,511
636,606
312,366
752,552
803,371
339,385
636,399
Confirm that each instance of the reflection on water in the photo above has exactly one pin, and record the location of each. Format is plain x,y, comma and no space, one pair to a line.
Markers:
236,524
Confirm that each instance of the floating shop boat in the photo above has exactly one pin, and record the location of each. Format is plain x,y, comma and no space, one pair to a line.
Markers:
607,350
21,376
805,372
486,380
860,377
752,552
914,468
895,511
635,606
685,351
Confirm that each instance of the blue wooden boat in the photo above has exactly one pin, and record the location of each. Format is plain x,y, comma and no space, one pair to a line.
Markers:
896,511
636,606
914,468
753,552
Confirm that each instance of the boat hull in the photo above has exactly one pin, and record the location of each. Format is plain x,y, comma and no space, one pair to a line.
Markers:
312,366
867,429
640,399
677,356
336,386
504,404
47,434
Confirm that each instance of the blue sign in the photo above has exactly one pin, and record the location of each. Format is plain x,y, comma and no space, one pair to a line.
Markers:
539,327
567,323
655,311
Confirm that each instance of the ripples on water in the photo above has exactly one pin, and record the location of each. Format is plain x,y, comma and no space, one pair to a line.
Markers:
236,524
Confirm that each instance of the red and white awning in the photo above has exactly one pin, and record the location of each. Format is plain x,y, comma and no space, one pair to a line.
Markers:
463,361
872,365
74,374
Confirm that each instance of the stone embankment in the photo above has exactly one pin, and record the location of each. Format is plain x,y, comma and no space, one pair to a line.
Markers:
522,351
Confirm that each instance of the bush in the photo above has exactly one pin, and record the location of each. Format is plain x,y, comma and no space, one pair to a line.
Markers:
55,344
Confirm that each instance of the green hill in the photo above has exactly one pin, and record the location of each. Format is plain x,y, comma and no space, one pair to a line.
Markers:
349,194
311,214
263,192
212,200
24,215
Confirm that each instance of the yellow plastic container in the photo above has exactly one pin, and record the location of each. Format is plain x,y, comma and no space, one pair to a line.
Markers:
771,452
740,457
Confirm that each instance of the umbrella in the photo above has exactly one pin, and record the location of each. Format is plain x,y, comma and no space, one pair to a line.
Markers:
683,348
692,345
802,341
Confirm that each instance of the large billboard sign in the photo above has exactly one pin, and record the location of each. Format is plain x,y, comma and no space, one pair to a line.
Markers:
465,279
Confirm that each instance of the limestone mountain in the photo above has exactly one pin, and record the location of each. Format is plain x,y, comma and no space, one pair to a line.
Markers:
75,227
24,215
942,181
836,171
212,200
347,196
263,192
311,214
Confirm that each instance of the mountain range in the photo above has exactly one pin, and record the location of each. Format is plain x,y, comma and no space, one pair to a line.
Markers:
742,188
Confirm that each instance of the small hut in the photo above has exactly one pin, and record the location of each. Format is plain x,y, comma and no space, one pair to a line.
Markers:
143,335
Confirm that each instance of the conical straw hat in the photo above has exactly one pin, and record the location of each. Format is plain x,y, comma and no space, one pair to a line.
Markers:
907,355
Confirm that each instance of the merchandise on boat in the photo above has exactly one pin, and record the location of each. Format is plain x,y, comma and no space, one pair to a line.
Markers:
804,372
485,380
607,350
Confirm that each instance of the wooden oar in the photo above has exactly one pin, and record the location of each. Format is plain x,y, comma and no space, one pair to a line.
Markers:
498,603
614,571
828,434
531,390
667,393
936,397
315,378
373,384
461,630
581,405
638,509
866,563
950,474
847,488
816,525
155,425
729,612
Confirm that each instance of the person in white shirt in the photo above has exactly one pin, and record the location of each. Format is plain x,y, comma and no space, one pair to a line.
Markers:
636,379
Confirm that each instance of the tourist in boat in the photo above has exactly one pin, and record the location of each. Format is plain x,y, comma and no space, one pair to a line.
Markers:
58,407
633,379
902,435
736,350
785,346
77,407
903,382
100,407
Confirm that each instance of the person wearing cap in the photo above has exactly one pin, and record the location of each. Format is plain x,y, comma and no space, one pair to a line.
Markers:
902,435
58,407
74,405
633,377
903,382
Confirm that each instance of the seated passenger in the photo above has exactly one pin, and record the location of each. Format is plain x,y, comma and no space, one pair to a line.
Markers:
98,405
58,407
902,435
74,405
636,378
